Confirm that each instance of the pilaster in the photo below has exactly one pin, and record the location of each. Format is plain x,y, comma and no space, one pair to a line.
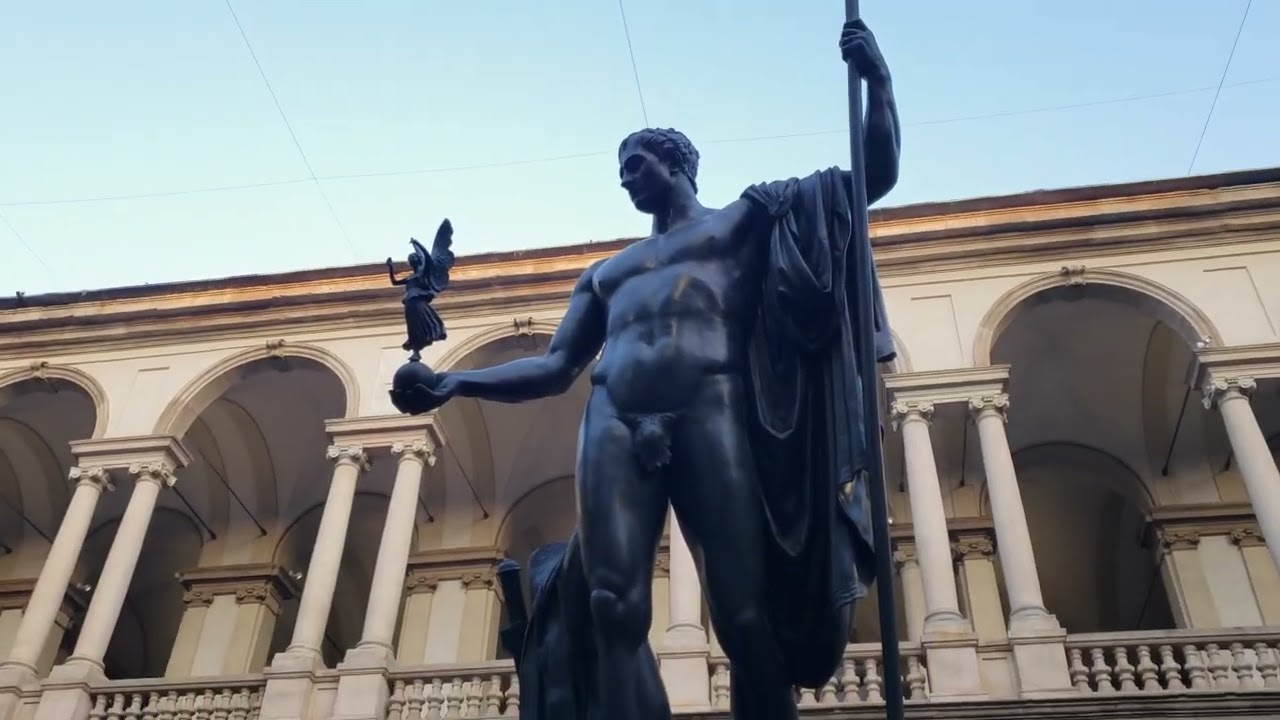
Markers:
229,619
1208,553
452,613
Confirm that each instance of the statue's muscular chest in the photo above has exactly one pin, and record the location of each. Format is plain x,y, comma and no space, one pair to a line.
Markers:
706,251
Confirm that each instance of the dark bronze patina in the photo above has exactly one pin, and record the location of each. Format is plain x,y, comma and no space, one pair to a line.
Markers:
726,383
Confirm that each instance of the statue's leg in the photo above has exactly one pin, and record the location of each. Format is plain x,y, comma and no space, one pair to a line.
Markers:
715,497
622,511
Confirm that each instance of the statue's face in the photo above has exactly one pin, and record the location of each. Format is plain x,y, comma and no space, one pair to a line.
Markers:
645,177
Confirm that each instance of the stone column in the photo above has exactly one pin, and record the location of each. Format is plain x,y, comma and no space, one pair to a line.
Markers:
1037,638
1249,448
1022,582
151,461
322,572
362,686
684,653
928,519
291,676
904,557
122,560
393,552
951,648
47,597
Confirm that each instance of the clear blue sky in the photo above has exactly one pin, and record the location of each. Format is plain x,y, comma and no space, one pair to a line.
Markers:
388,100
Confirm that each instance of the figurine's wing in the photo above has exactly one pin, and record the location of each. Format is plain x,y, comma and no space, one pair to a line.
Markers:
441,259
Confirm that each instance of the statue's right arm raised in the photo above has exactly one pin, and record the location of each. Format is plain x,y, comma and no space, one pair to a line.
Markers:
575,343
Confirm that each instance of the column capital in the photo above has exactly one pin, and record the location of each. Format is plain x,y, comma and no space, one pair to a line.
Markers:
1179,538
1217,389
904,411
159,471
94,475
973,547
905,555
421,449
349,454
997,403
1247,537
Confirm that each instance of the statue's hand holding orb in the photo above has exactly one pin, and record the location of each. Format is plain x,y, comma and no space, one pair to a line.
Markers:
417,389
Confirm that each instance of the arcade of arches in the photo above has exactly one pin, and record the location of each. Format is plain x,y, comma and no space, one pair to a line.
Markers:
1087,482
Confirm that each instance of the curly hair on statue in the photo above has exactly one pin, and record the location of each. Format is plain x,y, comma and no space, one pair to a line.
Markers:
671,147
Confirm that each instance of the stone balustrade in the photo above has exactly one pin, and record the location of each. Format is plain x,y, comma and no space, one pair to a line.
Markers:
1212,673
1170,661
224,698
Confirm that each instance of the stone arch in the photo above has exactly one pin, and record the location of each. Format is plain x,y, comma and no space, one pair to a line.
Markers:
902,363
1172,308
1087,513
493,333
1137,491
43,370
549,485
187,405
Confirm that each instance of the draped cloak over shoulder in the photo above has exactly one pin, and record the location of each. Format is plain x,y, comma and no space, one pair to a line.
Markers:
807,440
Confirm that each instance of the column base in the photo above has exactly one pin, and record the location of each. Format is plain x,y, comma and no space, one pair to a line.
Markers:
951,654
362,683
66,694
16,680
686,674
291,680
1040,655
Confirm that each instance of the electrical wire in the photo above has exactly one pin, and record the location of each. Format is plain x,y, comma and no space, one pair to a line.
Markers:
25,244
634,71
599,153
312,173
1230,56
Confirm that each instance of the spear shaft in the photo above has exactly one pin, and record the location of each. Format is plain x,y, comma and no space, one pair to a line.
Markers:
868,374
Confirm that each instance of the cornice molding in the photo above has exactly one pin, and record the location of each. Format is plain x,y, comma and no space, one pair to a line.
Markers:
940,387
1175,214
386,431
143,452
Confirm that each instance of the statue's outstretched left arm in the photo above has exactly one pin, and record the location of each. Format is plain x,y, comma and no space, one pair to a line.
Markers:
881,139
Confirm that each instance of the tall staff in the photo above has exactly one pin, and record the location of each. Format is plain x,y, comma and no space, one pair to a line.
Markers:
868,372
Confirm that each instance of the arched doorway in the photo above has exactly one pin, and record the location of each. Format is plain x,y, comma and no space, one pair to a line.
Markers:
40,415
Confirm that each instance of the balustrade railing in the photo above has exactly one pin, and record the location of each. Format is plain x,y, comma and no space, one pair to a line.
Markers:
1167,661
482,690
221,698
1175,660
860,679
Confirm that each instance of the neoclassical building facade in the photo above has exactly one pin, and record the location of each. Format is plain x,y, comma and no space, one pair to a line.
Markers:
209,508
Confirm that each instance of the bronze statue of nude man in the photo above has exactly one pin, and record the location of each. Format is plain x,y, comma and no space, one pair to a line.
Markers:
672,319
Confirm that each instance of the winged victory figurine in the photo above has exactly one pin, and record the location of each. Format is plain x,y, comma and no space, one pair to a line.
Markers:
428,276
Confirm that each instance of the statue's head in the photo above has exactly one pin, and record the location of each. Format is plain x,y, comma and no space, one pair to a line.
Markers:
415,261
653,163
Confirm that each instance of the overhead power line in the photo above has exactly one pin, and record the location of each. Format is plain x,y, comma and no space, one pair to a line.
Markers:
312,173
599,153
25,244
634,71
1230,56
